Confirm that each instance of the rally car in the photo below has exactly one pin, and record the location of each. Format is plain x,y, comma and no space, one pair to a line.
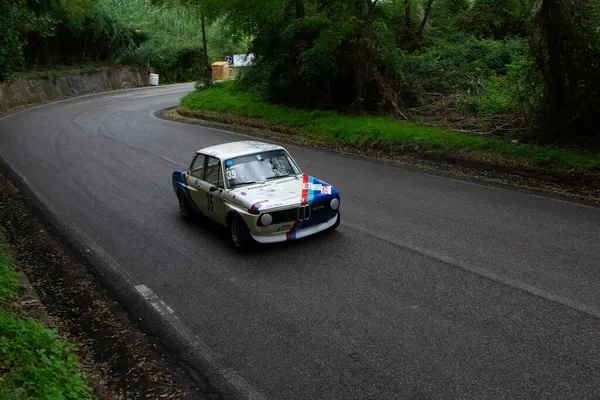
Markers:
258,191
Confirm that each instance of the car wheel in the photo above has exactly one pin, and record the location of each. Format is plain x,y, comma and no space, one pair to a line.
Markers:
185,209
240,235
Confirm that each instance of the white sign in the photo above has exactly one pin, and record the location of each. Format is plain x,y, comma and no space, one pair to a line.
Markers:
242,60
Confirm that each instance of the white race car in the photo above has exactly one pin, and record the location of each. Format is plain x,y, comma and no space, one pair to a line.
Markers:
258,191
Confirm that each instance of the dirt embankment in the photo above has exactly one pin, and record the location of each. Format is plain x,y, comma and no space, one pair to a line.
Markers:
120,360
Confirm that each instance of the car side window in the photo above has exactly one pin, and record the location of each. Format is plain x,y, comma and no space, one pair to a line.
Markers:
197,168
213,172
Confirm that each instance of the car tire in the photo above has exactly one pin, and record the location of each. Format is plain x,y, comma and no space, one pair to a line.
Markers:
240,235
185,208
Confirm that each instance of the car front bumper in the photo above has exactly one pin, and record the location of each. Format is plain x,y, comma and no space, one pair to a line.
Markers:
296,234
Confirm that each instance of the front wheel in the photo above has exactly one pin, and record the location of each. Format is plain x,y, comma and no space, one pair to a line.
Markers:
240,235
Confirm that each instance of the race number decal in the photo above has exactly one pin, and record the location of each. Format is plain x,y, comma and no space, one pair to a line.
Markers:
231,174
326,189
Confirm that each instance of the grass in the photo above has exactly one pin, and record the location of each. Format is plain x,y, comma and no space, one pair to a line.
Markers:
359,131
35,362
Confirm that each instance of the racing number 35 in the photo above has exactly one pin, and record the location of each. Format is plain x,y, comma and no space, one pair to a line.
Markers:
209,203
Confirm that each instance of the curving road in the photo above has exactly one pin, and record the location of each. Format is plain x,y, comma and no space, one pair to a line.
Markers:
431,287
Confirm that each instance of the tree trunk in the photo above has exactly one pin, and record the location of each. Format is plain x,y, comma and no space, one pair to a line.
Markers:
550,18
407,18
299,9
425,18
206,63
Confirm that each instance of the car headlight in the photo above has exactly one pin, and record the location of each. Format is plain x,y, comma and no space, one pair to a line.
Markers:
266,219
334,204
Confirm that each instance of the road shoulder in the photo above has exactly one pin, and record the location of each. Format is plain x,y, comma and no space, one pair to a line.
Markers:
119,359
543,185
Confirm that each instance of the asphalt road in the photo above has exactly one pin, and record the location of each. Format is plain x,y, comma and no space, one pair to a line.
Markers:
431,287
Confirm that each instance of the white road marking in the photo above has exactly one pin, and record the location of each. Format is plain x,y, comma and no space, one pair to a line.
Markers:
573,304
167,312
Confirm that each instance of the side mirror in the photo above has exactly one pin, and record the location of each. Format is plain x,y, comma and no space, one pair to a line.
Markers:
213,188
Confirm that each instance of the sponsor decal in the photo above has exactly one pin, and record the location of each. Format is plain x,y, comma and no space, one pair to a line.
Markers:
229,163
243,193
326,189
291,235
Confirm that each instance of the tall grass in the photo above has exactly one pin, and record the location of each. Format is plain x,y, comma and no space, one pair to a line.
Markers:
172,32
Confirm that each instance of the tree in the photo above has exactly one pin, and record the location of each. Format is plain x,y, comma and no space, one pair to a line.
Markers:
498,19
425,17
317,53
567,51
15,20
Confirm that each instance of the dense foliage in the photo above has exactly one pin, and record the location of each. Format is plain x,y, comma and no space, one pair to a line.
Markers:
508,65
164,35
491,66
566,47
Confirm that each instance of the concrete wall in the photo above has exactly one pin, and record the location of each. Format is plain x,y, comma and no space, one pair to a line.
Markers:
43,87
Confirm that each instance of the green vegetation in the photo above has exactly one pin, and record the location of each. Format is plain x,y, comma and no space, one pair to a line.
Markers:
335,127
162,34
35,362
517,69
172,37
521,68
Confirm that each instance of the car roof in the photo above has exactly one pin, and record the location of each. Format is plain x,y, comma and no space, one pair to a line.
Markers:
237,149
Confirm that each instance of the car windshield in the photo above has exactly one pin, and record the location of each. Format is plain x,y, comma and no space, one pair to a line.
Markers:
259,167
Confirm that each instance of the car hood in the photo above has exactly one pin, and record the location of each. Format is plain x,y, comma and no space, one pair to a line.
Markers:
285,192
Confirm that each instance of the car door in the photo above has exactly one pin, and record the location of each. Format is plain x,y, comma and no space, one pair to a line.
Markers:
210,189
196,173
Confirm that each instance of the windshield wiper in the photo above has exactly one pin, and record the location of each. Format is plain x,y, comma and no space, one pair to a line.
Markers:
245,183
279,176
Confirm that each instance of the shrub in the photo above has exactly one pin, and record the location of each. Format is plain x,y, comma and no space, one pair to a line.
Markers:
459,64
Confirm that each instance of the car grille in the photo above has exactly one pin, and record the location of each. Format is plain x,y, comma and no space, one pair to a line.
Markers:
316,210
283,216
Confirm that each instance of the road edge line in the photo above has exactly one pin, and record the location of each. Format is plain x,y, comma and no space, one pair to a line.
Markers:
34,106
153,320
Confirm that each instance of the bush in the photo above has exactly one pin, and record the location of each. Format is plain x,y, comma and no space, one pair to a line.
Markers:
462,64
167,37
97,37
174,43
497,19
221,42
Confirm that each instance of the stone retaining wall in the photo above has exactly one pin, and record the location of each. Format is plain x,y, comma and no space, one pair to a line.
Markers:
37,88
